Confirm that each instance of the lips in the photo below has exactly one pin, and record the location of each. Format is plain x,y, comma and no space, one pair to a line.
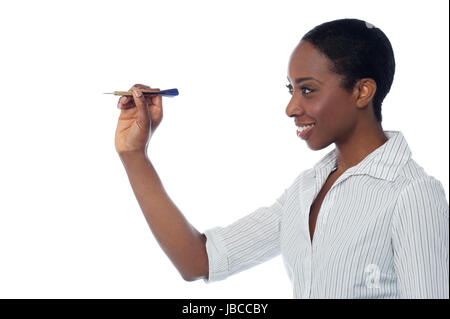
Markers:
304,127
305,131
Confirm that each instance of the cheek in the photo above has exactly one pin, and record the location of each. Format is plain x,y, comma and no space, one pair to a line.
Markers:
327,112
332,110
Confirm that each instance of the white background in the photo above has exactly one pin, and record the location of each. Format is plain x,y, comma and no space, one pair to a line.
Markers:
70,226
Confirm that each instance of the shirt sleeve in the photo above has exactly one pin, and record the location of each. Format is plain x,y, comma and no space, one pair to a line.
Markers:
245,243
420,239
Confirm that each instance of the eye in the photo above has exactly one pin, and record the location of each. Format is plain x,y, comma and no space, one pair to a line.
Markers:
305,88
289,88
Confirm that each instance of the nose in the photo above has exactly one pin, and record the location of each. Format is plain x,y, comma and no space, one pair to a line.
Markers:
293,108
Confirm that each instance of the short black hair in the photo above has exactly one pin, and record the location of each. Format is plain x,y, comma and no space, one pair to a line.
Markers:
357,50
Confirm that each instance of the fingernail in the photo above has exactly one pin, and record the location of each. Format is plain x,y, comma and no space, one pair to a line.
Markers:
137,92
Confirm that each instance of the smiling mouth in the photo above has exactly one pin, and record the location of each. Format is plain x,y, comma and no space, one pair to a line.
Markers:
304,131
304,127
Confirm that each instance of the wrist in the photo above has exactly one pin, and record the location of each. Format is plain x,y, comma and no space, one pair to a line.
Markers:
133,155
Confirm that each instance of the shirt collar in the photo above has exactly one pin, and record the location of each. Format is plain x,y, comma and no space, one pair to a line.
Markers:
384,162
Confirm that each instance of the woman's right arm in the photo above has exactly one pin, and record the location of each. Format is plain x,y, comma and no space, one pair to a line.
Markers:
182,243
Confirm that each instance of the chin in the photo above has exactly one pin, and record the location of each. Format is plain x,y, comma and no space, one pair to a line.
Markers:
316,146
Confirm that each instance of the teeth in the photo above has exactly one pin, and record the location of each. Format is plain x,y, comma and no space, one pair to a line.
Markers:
302,128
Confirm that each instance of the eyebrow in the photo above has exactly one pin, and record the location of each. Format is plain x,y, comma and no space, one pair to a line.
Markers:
298,80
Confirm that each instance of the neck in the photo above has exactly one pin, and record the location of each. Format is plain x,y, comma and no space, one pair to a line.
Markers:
363,140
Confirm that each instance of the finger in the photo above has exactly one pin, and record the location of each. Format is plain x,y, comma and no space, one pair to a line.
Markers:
123,102
142,86
148,89
152,99
156,100
141,104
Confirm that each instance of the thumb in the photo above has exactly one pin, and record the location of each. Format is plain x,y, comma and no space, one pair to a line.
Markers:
142,106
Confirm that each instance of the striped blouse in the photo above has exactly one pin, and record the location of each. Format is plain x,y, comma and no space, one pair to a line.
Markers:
382,231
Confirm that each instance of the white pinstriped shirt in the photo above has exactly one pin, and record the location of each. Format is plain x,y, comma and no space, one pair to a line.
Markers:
382,231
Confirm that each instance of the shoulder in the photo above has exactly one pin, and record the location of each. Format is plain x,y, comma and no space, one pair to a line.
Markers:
420,192
413,171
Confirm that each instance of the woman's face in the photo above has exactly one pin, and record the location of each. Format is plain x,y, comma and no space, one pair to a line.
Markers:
319,100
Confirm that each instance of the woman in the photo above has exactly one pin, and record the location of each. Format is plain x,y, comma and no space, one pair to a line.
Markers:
365,222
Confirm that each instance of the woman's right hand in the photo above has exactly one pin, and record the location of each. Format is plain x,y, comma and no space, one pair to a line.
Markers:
139,117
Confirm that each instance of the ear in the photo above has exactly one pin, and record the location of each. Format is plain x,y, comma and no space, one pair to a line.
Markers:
364,91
